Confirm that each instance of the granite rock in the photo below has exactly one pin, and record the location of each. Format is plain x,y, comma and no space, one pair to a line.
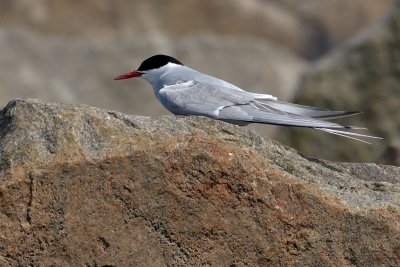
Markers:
85,186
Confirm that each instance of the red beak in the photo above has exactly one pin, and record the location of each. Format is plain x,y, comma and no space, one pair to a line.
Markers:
128,75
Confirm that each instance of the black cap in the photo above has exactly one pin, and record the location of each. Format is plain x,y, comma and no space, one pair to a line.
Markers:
157,61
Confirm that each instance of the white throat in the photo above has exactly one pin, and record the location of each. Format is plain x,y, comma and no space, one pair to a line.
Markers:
157,77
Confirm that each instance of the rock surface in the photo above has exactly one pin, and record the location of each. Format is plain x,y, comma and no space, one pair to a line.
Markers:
336,20
391,156
365,76
85,186
309,27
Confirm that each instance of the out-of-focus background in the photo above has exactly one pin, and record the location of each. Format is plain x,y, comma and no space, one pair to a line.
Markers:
336,54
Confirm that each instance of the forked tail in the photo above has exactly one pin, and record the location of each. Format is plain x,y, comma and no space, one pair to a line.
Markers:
351,135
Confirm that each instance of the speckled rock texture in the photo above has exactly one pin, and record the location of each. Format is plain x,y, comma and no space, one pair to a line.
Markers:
81,186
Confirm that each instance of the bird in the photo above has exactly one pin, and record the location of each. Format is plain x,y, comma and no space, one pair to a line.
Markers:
185,91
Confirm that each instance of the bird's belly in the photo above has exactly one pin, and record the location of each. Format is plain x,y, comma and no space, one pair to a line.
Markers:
172,107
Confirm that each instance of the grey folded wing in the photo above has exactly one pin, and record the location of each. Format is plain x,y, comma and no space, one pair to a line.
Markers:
194,98
307,111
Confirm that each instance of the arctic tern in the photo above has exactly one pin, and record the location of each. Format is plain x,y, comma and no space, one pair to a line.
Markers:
185,91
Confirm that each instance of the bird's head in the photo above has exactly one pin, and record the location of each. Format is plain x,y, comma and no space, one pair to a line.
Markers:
151,68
